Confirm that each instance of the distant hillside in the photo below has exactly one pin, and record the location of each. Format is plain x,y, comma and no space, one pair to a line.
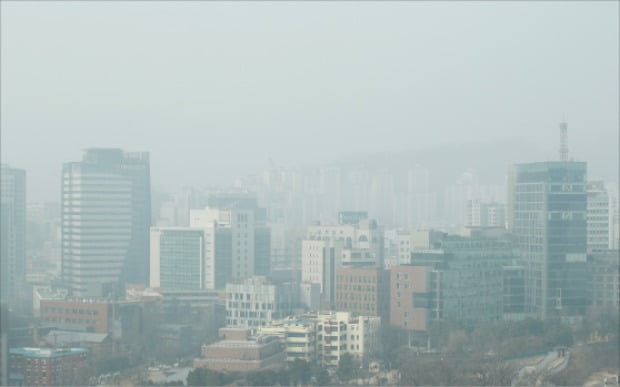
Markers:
490,160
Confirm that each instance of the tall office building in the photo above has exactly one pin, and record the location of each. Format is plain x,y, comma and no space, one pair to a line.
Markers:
106,216
547,212
181,258
12,233
598,216
242,242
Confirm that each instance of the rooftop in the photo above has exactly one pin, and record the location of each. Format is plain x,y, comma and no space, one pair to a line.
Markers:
60,337
46,352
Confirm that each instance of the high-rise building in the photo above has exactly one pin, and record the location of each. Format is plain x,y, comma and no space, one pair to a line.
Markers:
242,237
242,244
12,233
469,270
354,232
598,216
181,258
420,200
547,213
485,214
319,262
4,347
106,216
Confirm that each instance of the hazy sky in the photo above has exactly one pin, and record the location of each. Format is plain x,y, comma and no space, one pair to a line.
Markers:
214,89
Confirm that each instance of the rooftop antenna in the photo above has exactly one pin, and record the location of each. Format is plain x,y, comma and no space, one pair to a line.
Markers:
563,140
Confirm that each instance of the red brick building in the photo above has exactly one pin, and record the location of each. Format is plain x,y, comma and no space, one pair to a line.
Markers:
80,314
47,366
363,291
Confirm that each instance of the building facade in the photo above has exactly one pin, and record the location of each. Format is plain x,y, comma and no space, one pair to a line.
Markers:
242,243
47,366
298,335
12,233
255,302
106,216
599,221
414,291
485,214
319,262
547,212
605,279
339,333
363,291
182,258
470,274
238,353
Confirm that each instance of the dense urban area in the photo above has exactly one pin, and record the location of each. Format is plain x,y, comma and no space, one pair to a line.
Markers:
286,279
309,193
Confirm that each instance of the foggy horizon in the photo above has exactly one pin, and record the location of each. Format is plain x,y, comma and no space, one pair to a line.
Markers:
309,193
196,84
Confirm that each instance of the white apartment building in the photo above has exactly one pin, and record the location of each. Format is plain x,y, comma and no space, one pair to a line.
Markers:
298,334
326,336
255,302
339,333
366,234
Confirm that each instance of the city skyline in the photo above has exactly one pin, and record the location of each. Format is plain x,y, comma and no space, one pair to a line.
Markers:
320,76
309,193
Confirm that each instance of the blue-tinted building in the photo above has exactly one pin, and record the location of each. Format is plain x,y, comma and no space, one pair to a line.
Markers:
547,212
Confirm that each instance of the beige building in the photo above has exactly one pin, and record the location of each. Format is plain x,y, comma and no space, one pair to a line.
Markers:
409,297
238,353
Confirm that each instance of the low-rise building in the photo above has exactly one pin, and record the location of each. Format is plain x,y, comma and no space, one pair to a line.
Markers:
241,354
97,344
298,334
47,366
340,332
131,320
256,302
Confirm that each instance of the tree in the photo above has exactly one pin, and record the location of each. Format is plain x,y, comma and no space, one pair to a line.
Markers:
205,377
300,371
347,367
321,375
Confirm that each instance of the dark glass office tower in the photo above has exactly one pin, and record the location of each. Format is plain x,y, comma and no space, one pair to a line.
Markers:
12,233
547,212
106,215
